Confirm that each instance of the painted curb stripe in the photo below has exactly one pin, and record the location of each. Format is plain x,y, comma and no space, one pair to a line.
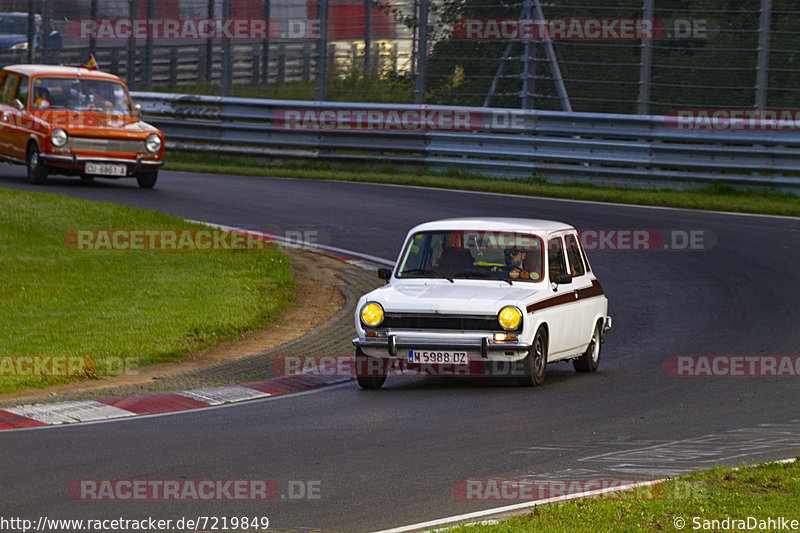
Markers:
65,412
161,402
220,395
12,420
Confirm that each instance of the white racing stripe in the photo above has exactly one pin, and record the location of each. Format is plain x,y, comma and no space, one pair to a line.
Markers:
311,247
59,413
452,520
220,395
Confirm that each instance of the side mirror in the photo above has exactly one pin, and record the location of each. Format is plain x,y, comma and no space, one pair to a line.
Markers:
562,278
384,274
138,109
18,104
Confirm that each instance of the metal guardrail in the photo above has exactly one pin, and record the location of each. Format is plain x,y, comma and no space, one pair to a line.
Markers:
624,150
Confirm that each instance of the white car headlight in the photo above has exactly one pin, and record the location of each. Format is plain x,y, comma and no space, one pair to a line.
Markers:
153,143
509,318
372,314
58,137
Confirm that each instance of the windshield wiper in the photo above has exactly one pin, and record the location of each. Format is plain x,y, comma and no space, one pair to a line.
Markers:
480,273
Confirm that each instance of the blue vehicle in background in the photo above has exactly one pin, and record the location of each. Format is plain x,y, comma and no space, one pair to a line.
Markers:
14,32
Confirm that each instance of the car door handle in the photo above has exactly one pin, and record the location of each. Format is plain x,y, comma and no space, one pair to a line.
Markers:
577,294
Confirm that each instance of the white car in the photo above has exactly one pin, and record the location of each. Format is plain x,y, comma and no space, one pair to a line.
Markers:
483,293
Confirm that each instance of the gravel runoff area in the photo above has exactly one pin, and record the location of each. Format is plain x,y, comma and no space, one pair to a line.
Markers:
333,338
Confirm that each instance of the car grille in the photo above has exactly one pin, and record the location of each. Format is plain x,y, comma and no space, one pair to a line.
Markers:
91,144
451,322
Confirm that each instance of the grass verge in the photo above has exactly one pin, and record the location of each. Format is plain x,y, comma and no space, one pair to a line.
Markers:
717,197
122,308
752,493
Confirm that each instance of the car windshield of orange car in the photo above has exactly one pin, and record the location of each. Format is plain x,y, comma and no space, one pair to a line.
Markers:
473,254
80,94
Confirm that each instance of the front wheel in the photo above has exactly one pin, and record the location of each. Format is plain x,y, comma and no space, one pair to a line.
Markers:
370,371
37,169
147,180
534,366
590,359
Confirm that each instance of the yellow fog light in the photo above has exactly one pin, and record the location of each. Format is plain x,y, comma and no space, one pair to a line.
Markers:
372,314
509,317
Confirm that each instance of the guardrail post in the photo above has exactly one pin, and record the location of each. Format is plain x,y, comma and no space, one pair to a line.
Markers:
367,36
322,50
306,63
208,59
130,59
227,60
148,63
645,66
173,67
331,59
422,53
281,64
93,38
115,61
762,70
31,32
45,31
256,55
265,47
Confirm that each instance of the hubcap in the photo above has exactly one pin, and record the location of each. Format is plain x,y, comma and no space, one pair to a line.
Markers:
538,360
595,348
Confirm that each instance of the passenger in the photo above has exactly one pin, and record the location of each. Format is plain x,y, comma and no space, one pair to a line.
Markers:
41,98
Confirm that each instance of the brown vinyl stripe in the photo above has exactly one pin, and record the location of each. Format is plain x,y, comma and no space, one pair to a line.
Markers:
589,292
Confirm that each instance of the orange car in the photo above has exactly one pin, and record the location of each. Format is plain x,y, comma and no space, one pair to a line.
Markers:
75,121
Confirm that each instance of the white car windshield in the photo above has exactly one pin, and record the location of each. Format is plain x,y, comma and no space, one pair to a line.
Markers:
473,254
81,94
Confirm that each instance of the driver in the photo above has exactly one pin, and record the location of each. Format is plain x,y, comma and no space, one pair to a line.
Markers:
515,259
41,98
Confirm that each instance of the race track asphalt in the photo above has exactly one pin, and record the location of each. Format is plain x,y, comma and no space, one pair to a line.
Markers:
391,457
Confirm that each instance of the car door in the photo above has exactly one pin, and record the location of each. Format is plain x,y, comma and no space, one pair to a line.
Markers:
8,86
566,320
20,120
582,286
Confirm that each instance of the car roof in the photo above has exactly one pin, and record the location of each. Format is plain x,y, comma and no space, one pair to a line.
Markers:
60,70
493,224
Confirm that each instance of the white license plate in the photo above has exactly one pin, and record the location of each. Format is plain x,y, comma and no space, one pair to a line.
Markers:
106,169
443,357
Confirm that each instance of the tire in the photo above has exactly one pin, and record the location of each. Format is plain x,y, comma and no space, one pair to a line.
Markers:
363,363
590,359
147,180
37,169
535,363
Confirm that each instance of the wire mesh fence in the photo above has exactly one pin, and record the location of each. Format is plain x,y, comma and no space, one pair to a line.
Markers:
622,56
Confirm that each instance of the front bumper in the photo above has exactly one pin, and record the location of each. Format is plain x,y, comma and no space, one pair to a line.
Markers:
392,346
74,161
